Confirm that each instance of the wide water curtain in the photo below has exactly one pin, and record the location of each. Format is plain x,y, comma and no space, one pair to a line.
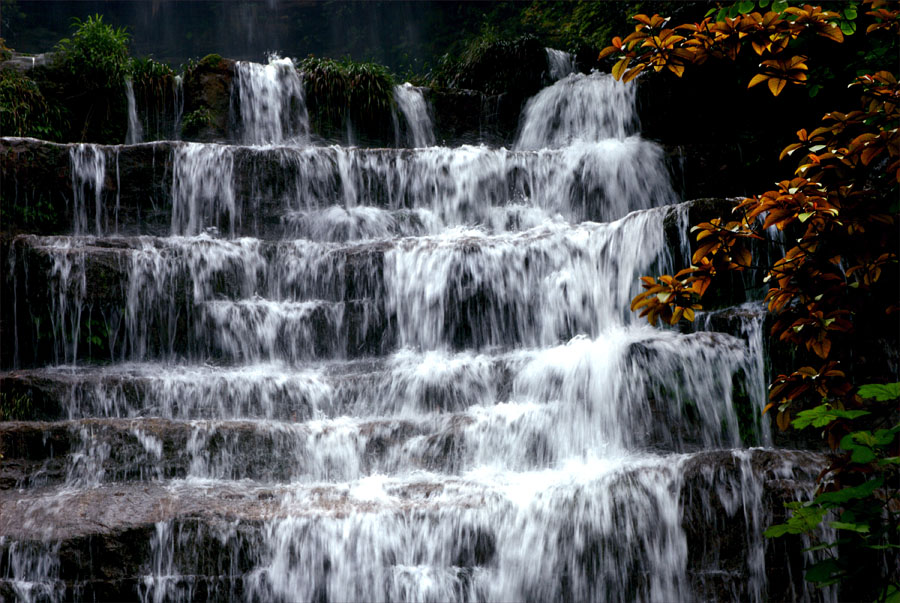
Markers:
282,369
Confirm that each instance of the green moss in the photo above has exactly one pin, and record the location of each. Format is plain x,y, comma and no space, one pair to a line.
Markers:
211,60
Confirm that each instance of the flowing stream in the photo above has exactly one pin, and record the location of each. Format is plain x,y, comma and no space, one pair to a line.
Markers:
405,374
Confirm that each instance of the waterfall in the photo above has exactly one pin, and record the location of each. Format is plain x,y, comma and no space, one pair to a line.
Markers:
579,108
202,192
272,105
135,131
339,373
559,63
88,171
415,111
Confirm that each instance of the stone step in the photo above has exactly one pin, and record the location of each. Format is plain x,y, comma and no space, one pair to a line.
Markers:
632,390
288,542
403,384
133,297
185,188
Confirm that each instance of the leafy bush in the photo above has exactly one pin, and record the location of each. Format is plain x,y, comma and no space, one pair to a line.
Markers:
833,294
154,92
495,65
150,75
96,54
336,90
24,111
5,51
195,121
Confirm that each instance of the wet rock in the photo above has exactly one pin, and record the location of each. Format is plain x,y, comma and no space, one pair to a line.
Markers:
207,99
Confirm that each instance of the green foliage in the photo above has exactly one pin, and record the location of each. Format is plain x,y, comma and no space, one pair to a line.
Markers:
154,92
570,25
14,407
495,65
862,500
151,75
36,217
96,54
336,90
24,111
5,51
195,121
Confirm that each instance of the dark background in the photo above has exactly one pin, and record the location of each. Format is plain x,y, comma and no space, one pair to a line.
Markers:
403,35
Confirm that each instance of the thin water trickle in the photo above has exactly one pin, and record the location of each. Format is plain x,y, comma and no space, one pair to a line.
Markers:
135,132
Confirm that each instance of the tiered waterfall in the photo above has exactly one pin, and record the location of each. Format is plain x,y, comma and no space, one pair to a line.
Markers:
355,374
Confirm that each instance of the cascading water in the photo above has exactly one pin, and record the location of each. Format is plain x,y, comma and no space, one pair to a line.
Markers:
272,105
88,171
415,112
559,63
418,379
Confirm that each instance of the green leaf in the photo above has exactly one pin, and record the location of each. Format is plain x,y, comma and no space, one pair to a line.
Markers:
880,392
776,531
822,571
778,6
860,528
805,216
883,437
822,415
862,454
848,28
854,492
850,13
824,546
746,6
763,3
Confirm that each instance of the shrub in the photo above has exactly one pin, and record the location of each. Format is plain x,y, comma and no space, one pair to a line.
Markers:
96,54
24,111
335,90
495,65
833,294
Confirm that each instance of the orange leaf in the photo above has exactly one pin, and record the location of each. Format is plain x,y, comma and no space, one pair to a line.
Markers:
757,79
776,85
619,68
783,420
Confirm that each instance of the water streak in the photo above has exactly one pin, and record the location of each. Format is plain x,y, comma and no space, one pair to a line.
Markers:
415,111
135,132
